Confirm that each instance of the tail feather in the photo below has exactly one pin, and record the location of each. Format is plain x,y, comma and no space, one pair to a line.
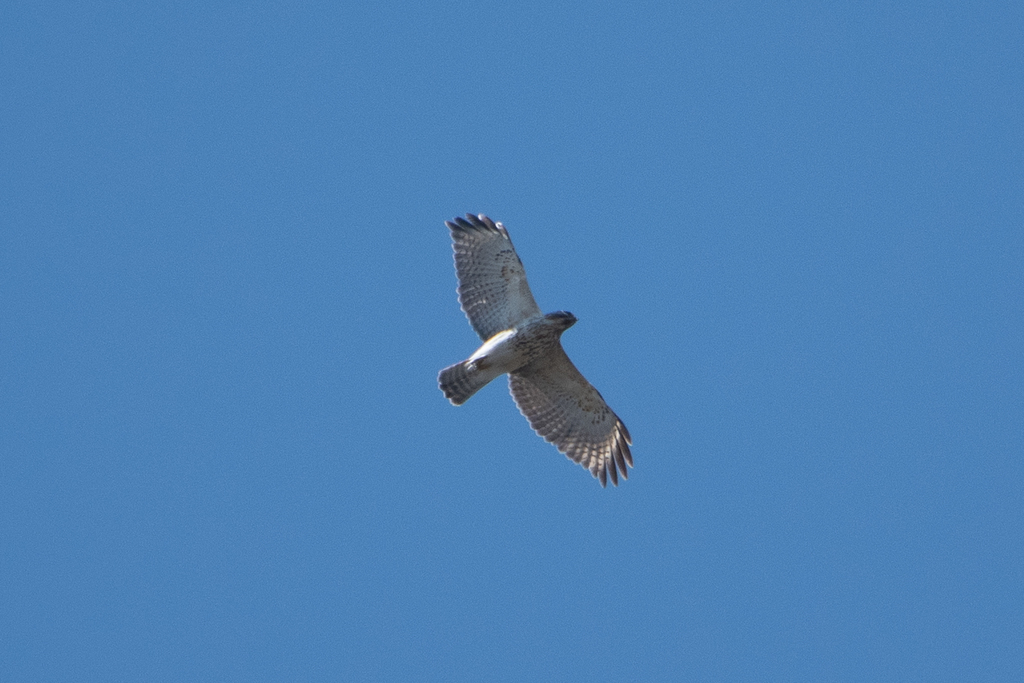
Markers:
459,382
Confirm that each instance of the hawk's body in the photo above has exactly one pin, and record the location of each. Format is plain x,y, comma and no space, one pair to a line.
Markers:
560,404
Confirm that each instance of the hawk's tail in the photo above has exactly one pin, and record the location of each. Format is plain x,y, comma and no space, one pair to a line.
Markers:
459,382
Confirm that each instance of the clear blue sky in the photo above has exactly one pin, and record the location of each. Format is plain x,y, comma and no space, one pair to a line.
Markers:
793,234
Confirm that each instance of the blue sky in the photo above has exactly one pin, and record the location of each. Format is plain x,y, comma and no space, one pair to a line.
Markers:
791,232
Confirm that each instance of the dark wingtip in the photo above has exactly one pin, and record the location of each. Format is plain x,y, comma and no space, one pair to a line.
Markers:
473,222
620,461
485,221
623,444
625,433
458,224
619,458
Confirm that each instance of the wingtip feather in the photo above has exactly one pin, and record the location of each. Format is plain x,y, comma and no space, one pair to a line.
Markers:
475,223
618,459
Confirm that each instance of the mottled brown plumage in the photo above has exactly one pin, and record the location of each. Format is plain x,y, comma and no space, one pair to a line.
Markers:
560,404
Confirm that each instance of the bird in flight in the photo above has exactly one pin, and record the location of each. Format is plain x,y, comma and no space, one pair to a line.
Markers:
520,340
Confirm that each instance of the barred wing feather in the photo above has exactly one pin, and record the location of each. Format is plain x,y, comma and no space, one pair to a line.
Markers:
565,409
493,290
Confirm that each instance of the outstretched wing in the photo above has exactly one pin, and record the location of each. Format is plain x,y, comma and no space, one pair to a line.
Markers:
492,283
565,409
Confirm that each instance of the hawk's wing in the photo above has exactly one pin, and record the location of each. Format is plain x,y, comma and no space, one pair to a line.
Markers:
492,283
564,408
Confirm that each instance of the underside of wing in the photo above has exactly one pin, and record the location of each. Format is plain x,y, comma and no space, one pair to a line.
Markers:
565,409
493,290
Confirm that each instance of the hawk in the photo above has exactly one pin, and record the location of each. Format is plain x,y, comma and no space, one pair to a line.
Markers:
520,340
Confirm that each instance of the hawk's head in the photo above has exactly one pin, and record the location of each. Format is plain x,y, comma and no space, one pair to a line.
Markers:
563,319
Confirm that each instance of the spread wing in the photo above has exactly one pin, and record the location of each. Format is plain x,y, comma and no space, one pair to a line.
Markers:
565,409
492,283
